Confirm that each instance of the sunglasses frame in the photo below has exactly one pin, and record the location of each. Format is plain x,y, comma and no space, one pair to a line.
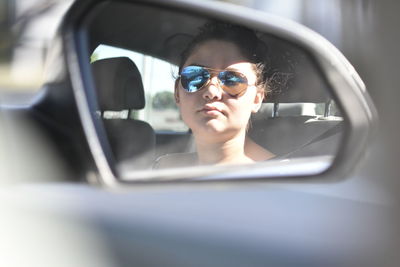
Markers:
220,82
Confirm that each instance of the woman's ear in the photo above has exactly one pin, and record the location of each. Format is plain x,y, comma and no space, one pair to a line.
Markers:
258,100
176,93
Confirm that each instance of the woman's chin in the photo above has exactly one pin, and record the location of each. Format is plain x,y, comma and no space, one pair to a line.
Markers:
214,126
215,130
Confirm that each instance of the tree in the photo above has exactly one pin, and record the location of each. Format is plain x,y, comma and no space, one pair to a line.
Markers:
94,57
164,100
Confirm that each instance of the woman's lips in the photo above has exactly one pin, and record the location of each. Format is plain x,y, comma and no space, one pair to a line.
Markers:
211,110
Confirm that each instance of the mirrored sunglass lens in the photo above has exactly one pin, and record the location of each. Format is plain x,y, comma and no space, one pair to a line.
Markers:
233,81
193,78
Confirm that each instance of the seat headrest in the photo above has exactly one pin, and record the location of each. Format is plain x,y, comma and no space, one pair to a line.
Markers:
297,80
300,89
119,84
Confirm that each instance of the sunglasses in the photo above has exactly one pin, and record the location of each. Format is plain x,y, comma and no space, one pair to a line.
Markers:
195,78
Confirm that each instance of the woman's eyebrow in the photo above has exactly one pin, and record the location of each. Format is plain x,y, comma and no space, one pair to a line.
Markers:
195,64
200,65
232,69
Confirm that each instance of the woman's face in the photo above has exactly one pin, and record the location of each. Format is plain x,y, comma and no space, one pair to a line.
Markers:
211,113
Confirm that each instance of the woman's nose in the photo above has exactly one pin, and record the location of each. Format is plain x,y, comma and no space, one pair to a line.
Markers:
213,90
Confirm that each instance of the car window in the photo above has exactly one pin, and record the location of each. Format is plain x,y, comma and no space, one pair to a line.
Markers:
158,78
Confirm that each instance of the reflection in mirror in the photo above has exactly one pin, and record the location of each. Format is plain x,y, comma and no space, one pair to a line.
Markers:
181,90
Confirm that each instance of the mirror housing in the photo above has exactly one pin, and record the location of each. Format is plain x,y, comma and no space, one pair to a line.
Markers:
345,85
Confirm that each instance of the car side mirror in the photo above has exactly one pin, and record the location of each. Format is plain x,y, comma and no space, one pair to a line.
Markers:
315,119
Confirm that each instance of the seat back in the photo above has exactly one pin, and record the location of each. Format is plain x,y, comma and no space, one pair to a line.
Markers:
285,124
120,88
284,135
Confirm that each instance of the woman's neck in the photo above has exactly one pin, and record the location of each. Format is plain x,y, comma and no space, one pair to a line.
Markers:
223,152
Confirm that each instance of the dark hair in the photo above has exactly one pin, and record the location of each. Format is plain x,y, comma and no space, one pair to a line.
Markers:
249,44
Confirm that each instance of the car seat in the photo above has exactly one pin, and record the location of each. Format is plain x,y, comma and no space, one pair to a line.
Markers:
120,88
283,127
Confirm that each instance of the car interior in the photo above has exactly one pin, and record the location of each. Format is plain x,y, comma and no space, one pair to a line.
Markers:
120,88
298,119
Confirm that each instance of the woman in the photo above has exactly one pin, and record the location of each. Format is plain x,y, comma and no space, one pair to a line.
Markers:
220,84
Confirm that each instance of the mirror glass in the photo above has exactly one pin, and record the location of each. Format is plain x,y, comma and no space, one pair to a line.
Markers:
172,100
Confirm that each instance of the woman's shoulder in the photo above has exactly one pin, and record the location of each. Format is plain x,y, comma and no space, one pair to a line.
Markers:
176,160
257,152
